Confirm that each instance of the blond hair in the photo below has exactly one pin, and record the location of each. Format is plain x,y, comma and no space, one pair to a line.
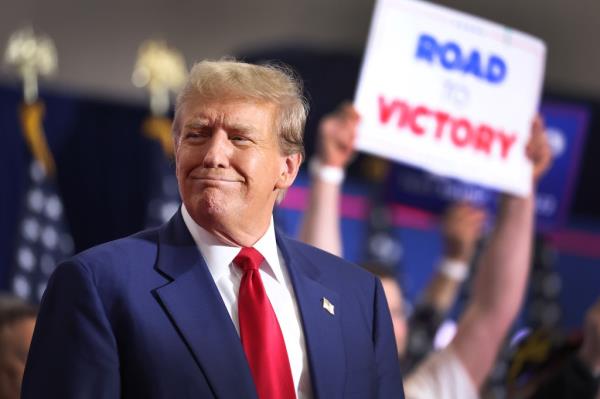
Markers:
231,79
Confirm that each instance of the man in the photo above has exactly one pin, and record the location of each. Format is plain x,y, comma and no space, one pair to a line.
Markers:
216,303
17,320
459,370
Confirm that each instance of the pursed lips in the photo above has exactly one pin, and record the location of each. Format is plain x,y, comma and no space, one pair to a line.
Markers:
215,179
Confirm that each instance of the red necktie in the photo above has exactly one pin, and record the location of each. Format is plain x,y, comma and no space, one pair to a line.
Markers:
260,333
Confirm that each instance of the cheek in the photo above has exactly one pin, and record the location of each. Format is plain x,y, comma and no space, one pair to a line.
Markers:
178,173
185,160
254,168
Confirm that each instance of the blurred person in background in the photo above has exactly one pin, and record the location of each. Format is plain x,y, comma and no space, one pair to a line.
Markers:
460,369
548,365
461,228
589,354
17,321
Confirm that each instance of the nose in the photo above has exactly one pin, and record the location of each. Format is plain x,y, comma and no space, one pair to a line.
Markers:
218,151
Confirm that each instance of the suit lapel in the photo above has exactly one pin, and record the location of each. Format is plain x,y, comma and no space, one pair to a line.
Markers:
322,330
194,305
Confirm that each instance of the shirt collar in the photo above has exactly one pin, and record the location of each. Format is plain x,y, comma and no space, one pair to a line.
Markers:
219,256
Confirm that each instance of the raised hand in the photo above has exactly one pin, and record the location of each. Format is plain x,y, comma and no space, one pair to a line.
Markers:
337,132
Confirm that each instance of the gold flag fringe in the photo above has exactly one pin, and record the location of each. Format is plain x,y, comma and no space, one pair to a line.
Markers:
31,123
159,128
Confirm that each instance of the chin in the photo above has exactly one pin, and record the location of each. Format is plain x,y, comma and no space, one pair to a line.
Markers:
211,205
215,210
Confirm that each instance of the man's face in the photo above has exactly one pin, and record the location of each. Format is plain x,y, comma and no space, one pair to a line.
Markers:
229,164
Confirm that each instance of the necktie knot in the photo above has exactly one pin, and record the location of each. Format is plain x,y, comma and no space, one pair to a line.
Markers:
248,259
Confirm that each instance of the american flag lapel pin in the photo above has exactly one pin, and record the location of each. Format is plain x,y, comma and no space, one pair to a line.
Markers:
328,306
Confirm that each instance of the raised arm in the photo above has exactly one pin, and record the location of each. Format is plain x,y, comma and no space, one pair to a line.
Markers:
321,223
461,229
501,280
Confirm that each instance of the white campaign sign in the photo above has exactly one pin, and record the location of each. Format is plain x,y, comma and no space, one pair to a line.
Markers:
450,93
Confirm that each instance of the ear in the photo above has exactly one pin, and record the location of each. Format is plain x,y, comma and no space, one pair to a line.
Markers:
289,170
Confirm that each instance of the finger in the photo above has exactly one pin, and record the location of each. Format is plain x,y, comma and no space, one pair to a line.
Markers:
537,127
343,133
354,113
465,210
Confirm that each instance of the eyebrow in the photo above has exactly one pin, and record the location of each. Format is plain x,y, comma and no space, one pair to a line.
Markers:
240,127
199,123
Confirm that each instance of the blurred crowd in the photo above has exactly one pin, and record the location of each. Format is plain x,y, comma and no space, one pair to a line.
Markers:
460,369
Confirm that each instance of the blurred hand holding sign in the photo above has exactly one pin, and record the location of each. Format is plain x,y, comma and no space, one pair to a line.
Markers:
450,93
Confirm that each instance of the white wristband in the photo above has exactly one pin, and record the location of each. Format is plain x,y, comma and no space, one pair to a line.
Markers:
326,173
454,269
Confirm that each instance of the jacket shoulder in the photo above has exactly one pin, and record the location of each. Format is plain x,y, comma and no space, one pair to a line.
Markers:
122,249
116,258
327,263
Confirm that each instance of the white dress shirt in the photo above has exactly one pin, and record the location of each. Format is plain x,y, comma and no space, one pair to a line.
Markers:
274,274
442,376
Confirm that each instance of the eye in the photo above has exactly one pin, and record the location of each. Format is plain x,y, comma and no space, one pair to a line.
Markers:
240,139
195,135
191,135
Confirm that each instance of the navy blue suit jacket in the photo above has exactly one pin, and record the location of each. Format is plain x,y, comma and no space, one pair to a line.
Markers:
141,317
